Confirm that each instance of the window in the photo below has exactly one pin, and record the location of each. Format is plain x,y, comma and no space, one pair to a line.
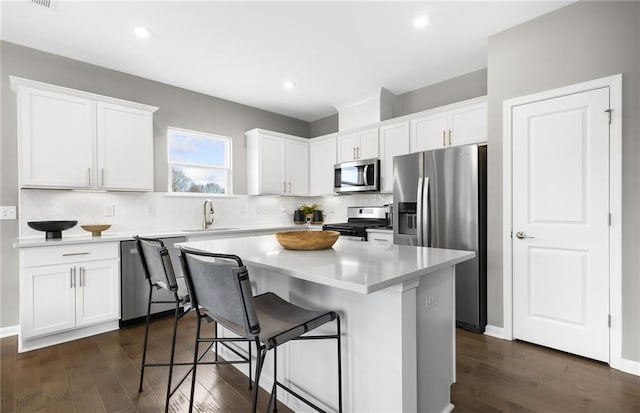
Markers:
198,162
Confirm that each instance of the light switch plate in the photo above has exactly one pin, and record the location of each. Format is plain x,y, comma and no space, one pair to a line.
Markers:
8,212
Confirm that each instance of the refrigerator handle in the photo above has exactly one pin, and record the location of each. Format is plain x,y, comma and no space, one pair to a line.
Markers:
426,213
419,205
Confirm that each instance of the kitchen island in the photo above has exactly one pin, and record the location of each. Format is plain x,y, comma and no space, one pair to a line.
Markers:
398,322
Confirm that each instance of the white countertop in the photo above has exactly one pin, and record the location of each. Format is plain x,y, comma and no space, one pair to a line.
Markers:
363,267
28,242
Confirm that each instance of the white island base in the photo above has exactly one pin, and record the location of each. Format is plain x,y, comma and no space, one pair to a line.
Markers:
398,330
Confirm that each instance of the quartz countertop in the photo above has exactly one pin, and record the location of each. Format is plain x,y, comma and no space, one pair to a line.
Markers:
27,242
363,267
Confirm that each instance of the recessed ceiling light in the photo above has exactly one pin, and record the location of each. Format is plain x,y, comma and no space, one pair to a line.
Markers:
288,84
142,32
421,21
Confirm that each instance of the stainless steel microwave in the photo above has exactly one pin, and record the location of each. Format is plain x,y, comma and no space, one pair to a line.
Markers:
362,175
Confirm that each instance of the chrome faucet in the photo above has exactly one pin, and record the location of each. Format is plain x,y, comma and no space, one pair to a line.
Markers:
207,218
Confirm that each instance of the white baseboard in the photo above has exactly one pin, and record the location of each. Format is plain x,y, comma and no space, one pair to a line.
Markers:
9,331
630,366
494,331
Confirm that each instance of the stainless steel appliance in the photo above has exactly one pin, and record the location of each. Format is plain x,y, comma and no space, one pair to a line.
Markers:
358,220
388,212
439,200
362,175
135,288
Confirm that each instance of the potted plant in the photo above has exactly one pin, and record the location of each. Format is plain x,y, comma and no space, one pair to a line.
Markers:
308,210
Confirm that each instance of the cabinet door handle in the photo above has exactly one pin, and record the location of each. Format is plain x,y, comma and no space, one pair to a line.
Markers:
71,277
444,138
358,152
284,187
354,152
82,280
89,175
69,254
289,186
449,137
102,174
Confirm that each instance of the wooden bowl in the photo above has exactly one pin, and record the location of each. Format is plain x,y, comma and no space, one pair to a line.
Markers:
307,240
95,230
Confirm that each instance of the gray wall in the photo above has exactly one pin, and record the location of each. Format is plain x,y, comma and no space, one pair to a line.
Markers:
580,42
178,107
470,85
323,126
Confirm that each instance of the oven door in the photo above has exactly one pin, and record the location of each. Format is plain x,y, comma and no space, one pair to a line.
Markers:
357,176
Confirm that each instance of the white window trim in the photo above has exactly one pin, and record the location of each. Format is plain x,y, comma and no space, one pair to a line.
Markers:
228,162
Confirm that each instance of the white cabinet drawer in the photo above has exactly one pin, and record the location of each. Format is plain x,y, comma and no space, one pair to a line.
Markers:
380,236
64,254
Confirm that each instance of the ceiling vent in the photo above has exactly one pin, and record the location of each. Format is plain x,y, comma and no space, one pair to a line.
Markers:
43,3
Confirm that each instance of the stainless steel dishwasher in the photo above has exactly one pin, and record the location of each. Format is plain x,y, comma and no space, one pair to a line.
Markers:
134,287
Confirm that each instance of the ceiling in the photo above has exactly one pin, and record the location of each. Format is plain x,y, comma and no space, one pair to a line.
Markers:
335,52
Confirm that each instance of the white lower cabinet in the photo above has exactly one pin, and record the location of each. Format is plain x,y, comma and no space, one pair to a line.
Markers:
68,288
374,235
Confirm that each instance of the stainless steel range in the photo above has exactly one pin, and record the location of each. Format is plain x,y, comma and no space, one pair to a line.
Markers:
359,219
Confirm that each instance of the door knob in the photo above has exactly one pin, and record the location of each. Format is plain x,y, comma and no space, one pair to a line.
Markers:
522,235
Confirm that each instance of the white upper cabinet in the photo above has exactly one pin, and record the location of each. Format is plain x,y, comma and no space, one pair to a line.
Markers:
428,132
74,139
125,147
322,158
468,124
358,145
56,139
394,141
277,164
457,124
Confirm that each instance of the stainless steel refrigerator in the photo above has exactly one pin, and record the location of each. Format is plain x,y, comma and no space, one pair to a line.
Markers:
440,201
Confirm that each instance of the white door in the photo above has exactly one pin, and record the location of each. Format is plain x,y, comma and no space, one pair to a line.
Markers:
98,292
468,124
561,223
272,177
297,168
56,140
347,147
368,145
394,141
50,304
428,132
125,148
322,158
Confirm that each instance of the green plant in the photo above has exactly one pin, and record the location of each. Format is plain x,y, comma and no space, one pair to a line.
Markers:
308,209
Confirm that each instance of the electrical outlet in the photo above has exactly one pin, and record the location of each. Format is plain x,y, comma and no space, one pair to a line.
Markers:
8,212
109,210
432,300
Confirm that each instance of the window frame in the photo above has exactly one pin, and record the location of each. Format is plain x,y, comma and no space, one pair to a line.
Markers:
228,161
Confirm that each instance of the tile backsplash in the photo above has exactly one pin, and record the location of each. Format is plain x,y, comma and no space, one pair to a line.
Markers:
155,212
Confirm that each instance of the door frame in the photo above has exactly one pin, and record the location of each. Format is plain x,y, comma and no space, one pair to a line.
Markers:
615,204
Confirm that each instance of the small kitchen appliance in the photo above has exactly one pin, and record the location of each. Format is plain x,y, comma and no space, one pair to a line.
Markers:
362,175
359,219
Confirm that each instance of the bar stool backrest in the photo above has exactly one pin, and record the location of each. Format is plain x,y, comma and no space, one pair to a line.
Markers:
219,284
156,263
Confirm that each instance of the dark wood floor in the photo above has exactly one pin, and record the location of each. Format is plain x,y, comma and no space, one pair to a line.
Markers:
100,373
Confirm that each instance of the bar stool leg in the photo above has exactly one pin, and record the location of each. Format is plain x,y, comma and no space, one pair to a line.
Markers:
256,386
275,379
339,365
250,362
173,352
195,364
146,338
